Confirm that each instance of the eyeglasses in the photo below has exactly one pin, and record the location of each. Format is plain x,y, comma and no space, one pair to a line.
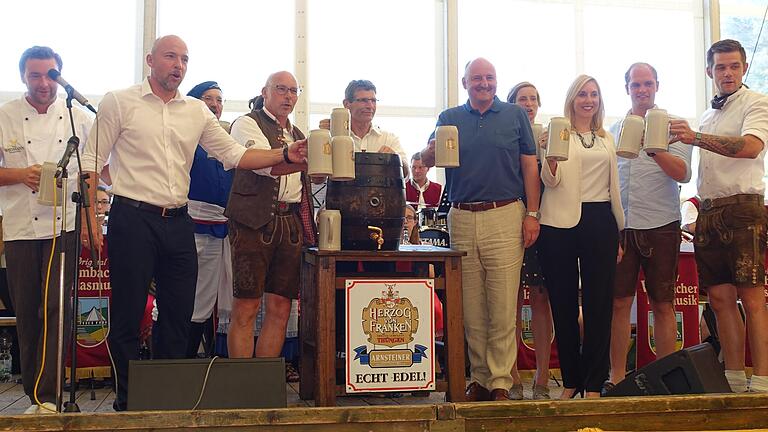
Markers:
410,218
213,99
103,202
365,100
283,90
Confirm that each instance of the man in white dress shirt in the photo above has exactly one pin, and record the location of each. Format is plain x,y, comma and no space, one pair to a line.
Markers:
360,100
150,132
730,235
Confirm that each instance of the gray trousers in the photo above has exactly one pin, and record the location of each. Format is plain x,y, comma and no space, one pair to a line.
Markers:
27,263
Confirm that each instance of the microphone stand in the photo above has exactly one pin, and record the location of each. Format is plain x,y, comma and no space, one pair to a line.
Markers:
80,198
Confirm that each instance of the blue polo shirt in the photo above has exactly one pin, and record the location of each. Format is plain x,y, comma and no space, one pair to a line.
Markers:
490,146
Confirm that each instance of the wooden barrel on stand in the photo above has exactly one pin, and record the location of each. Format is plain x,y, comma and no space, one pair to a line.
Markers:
374,200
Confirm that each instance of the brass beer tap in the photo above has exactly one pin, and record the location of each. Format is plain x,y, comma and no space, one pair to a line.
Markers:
377,235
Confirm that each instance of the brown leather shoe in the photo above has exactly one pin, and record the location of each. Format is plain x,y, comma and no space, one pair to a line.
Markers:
476,393
499,394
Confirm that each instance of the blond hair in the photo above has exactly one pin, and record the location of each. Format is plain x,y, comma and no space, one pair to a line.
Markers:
597,118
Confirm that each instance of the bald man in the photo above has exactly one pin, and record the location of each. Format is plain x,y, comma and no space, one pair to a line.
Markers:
489,221
150,132
270,219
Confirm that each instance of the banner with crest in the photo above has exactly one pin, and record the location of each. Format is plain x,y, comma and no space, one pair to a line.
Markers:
686,312
390,340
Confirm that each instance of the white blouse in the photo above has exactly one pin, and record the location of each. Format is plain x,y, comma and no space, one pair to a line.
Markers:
595,170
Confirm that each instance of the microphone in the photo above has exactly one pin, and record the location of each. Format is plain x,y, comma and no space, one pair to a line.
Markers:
56,76
72,145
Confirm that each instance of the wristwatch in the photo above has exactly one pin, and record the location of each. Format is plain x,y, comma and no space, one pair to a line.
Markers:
285,155
697,138
534,214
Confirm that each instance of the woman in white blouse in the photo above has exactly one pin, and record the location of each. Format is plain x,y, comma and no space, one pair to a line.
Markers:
579,240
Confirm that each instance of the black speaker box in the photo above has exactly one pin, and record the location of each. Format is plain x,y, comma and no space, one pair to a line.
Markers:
232,383
691,370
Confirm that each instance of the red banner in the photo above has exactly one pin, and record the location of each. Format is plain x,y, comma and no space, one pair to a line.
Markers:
93,307
686,311
688,321
748,355
526,349
94,293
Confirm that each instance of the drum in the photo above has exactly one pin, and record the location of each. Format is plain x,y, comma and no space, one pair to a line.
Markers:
442,219
372,205
428,216
435,237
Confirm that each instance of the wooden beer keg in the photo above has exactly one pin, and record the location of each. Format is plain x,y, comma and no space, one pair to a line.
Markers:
372,205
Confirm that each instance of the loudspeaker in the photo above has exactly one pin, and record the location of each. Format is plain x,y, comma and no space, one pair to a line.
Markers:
231,383
691,370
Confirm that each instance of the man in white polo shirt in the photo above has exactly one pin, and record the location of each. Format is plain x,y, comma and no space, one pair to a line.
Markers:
730,236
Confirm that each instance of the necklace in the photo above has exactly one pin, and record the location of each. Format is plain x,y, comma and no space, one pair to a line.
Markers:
584,143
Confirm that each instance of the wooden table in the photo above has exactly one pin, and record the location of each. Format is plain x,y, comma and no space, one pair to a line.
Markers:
317,328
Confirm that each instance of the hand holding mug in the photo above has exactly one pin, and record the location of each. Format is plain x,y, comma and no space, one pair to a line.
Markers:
681,131
428,154
297,151
543,139
31,176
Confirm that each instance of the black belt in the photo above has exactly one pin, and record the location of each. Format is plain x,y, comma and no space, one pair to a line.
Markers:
287,208
162,211
729,200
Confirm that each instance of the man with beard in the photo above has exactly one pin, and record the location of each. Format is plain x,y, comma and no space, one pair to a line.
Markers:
34,129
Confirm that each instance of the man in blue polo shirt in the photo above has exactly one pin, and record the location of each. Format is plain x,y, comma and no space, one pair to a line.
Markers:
489,222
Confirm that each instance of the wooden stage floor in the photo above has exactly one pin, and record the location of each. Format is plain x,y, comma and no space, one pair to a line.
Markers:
407,413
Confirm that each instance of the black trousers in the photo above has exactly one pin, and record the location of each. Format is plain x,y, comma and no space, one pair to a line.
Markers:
145,246
27,262
586,253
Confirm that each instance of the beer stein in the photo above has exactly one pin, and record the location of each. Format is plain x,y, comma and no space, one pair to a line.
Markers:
329,224
656,131
559,139
319,154
343,158
340,122
447,146
49,186
630,137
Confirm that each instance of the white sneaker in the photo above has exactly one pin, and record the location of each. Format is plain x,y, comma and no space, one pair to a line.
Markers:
47,408
32,409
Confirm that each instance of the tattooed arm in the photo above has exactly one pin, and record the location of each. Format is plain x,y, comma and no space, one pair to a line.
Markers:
747,146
